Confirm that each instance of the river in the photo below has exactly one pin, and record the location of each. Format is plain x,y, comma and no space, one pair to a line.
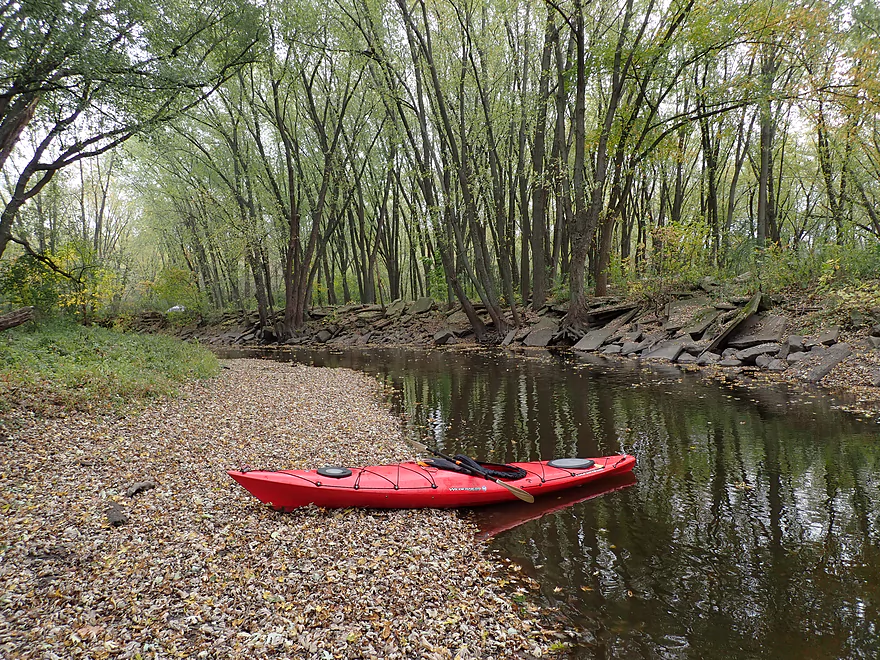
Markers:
751,529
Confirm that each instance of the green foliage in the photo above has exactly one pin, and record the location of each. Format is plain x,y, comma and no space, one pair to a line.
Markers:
319,293
558,648
79,78
559,290
680,251
778,268
863,298
620,272
826,267
858,263
69,366
830,272
27,281
437,282
173,286
854,293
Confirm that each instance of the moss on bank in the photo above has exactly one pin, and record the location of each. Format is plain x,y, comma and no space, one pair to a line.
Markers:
63,366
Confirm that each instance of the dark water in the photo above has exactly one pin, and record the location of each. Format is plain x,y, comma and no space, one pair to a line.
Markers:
752,529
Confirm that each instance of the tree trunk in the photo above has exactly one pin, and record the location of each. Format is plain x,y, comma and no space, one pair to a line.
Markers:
259,288
541,187
581,234
16,318
766,209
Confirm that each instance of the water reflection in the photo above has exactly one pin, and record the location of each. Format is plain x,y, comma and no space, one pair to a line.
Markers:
753,528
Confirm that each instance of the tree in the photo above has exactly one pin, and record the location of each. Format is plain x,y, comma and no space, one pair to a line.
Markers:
79,78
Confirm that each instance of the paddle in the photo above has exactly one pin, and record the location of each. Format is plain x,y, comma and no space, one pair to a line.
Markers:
519,492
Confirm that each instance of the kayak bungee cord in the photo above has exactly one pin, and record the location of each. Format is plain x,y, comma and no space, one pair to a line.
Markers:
424,474
395,484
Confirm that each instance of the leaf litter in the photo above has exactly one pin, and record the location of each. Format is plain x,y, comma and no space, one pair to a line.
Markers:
199,568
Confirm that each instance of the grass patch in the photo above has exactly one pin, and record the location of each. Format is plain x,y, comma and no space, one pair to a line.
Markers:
63,366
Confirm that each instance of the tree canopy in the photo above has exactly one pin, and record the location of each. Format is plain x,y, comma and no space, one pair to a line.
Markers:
485,152
77,79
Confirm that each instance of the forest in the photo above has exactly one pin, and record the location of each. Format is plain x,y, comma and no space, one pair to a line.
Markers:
489,153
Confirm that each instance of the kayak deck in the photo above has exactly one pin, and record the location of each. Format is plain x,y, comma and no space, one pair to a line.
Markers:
414,485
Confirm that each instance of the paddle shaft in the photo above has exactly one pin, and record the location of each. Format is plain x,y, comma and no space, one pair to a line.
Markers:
519,492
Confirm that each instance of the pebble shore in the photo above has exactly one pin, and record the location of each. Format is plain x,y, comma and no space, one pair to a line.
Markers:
196,567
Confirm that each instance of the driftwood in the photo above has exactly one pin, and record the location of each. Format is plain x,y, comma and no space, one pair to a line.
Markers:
19,316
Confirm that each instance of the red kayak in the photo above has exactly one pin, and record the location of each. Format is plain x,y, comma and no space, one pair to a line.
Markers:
419,485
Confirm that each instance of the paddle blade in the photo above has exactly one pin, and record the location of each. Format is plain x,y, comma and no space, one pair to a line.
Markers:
519,492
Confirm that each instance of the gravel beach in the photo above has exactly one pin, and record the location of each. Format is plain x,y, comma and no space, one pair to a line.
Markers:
194,566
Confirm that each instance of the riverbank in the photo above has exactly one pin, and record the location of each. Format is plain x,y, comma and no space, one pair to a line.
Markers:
122,536
803,339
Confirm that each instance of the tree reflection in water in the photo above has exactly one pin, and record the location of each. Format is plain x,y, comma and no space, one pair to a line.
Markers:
753,528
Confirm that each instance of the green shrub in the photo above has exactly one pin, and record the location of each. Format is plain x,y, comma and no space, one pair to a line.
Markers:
857,301
24,281
560,291
781,268
437,286
826,266
858,263
173,286
680,251
91,290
